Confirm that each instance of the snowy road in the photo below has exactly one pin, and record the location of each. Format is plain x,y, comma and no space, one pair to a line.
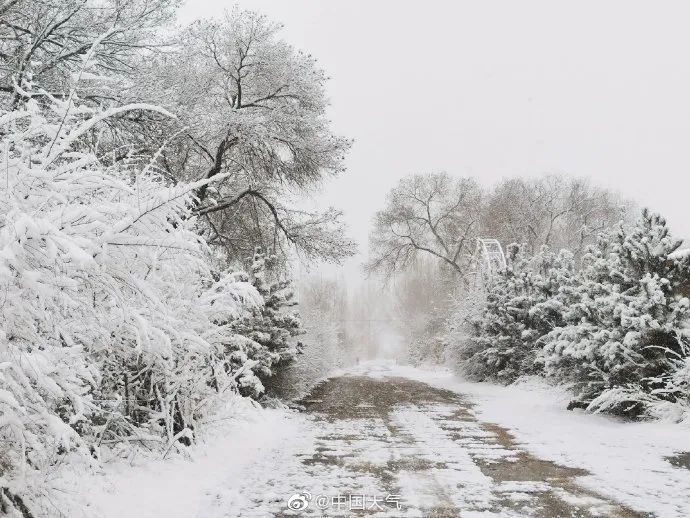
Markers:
391,446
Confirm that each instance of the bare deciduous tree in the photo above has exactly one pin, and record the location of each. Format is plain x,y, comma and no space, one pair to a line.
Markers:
440,216
433,214
557,211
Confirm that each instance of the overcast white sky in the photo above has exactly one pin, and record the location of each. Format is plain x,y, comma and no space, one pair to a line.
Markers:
500,88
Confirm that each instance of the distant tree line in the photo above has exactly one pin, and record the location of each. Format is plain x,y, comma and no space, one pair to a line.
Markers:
441,216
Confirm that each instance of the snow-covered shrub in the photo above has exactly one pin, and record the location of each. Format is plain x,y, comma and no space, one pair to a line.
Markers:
266,333
426,350
112,321
521,306
676,383
623,343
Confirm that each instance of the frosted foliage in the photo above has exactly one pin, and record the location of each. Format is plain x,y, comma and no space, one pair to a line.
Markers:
500,341
262,120
624,342
615,331
267,332
113,321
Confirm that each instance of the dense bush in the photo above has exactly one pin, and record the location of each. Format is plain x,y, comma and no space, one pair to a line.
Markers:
625,319
117,324
519,308
614,330
266,333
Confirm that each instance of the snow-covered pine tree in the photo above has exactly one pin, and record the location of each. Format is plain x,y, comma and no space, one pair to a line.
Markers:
267,333
322,305
677,383
623,336
521,306
461,329
497,349
554,273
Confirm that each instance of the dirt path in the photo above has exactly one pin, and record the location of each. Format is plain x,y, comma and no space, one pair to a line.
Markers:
396,447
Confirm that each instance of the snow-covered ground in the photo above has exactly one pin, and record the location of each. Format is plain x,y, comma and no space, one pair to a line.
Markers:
147,486
627,460
250,463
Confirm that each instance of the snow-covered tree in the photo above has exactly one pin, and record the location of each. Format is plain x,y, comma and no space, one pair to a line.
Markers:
557,211
267,333
43,42
438,216
323,305
623,338
432,215
248,104
113,321
520,307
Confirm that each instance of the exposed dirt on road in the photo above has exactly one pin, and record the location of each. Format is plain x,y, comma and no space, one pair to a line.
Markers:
425,452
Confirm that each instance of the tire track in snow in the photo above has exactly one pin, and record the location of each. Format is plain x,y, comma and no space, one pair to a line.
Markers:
394,436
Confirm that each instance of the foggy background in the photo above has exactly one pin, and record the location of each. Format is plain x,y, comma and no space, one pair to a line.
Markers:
496,89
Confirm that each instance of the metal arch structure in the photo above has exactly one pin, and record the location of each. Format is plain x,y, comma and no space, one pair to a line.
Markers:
488,260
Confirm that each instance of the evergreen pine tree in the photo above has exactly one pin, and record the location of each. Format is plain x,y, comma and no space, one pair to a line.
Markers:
622,338
269,331
521,306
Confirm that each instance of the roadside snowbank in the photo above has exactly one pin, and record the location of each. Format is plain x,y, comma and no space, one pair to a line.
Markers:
148,487
627,460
